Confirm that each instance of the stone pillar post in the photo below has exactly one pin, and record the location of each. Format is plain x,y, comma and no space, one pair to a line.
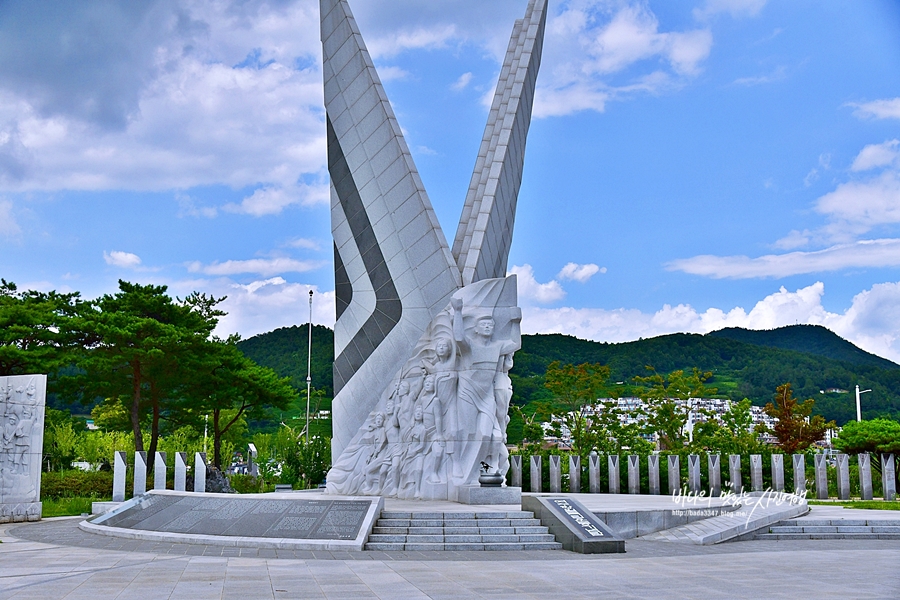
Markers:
694,473
843,476
653,473
536,473
888,481
634,474
778,472
574,474
821,476
119,466
200,472
714,464
674,474
756,478
251,460
140,473
594,473
180,471
159,471
555,474
515,470
612,462
865,476
799,473
734,472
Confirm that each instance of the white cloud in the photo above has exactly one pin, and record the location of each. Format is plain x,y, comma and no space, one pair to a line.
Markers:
877,155
878,109
779,74
736,8
872,322
464,80
860,254
271,200
581,273
857,206
258,266
392,73
532,291
9,228
262,305
795,239
304,243
125,260
431,37
596,51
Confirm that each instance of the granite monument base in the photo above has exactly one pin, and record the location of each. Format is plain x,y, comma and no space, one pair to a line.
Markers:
475,494
20,512
574,526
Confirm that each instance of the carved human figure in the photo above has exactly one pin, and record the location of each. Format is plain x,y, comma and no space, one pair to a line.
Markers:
443,368
478,424
372,484
404,406
349,472
390,466
415,441
23,441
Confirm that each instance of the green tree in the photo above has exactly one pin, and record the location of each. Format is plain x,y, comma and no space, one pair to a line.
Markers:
576,391
668,403
137,343
33,336
231,388
795,430
736,433
877,436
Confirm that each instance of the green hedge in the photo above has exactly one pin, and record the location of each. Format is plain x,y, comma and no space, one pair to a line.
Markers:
74,484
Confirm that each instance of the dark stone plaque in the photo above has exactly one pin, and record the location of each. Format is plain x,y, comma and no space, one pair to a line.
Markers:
575,527
244,517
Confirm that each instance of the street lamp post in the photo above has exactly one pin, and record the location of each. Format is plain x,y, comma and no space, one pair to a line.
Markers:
858,409
309,366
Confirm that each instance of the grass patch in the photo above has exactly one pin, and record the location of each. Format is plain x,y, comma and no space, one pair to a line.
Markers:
67,507
863,504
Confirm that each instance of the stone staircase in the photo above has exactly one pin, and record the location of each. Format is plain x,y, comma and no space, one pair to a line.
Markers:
833,529
517,530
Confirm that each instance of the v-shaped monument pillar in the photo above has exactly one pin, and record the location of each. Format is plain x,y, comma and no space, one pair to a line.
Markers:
425,335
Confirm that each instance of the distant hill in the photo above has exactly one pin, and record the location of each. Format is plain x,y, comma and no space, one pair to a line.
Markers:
745,364
812,339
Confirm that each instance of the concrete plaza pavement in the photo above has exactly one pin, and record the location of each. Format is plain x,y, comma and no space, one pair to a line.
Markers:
54,559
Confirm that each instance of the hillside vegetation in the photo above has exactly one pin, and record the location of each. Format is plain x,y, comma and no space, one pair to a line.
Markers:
744,363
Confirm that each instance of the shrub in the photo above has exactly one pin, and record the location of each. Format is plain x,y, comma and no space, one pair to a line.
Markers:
74,484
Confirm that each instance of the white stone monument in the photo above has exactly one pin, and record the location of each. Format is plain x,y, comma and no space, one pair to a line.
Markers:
22,399
425,332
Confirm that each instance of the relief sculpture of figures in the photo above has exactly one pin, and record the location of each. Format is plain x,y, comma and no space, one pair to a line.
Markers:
21,439
426,325
424,446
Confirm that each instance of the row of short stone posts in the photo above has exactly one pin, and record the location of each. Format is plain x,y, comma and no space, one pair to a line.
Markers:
159,473
714,473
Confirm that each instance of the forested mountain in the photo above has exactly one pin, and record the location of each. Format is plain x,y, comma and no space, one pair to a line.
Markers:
745,364
285,350
812,339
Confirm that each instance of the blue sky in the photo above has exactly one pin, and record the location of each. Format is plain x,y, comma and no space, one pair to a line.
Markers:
691,165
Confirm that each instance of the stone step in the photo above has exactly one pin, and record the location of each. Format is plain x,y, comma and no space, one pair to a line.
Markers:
460,539
833,529
460,530
827,536
450,546
517,514
839,522
522,522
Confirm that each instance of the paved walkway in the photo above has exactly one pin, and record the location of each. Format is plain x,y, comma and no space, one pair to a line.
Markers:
53,559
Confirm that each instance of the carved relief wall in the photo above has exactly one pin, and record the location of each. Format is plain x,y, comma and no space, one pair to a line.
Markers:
445,412
22,400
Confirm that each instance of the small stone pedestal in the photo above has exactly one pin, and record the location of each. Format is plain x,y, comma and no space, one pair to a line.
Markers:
476,494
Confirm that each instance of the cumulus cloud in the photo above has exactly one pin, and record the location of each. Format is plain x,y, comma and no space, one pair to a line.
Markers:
598,51
877,155
8,226
878,109
860,254
778,74
532,291
271,200
872,321
304,243
126,260
257,266
858,206
262,305
581,273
